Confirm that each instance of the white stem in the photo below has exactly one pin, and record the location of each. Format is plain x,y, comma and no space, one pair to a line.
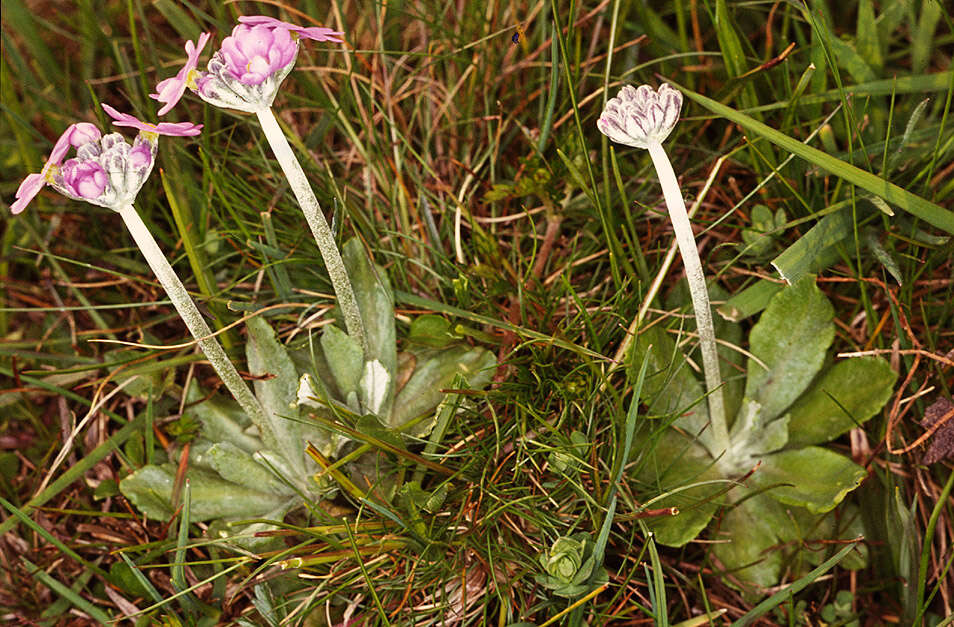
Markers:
194,321
317,223
697,289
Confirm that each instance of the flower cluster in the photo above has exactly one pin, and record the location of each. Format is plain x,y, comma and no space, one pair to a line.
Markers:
640,116
106,171
245,73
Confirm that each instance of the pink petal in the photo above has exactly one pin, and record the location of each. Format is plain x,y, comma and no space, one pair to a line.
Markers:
28,189
317,33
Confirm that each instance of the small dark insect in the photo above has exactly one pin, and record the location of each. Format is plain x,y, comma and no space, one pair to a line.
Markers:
516,38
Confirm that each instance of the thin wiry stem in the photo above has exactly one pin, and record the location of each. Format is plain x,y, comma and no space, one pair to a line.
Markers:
697,290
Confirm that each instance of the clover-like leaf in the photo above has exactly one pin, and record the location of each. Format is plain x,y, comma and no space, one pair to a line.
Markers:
810,477
845,396
788,345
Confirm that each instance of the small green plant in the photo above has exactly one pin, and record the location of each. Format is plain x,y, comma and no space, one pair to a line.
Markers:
777,485
568,566
238,471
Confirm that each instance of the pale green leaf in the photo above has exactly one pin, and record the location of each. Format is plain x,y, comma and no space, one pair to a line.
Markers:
747,541
788,346
235,465
277,389
222,420
810,477
344,357
435,371
150,490
676,463
372,289
845,396
670,388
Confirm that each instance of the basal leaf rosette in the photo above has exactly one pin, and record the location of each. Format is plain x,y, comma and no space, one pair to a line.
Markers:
776,483
241,470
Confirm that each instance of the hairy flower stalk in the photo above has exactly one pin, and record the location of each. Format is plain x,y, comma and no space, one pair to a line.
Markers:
109,172
643,118
245,74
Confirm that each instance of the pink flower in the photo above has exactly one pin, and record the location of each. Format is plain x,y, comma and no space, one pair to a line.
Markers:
170,90
86,179
75,135
253,53
317,33
180,129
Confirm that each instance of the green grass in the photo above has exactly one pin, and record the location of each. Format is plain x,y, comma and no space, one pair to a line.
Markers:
471,168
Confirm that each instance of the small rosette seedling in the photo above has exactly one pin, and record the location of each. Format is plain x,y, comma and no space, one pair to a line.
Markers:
790,403
245,74
109,172
569,566
643,118
306,391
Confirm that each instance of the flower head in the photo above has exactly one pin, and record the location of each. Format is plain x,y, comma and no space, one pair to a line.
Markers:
177,129
246,72
107,170
254,53
170,90
639,116
317,33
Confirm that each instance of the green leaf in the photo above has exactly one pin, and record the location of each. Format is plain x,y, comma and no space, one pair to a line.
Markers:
790,339
749,301
816,249
222,420
845,396
670,388
868,43
677,462
746,539
345,359
150,490
891,193
431,330
372,289
435,371
811,477
731,358
277,391
235,465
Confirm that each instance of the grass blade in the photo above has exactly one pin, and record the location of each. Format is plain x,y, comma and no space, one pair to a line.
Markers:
891,193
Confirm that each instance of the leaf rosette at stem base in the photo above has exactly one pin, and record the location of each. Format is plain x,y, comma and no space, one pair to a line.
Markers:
240,470
791,403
